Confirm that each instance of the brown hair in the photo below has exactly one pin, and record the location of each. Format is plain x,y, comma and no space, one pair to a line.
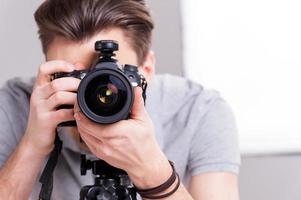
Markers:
78,20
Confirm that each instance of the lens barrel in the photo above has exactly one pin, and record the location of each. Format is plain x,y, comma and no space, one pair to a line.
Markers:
105,96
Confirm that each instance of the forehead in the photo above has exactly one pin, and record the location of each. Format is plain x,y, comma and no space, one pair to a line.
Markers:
83,52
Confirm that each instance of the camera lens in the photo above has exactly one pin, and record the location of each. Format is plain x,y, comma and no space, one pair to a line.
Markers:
105,95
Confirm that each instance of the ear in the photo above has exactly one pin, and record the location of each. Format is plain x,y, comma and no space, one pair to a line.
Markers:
148,66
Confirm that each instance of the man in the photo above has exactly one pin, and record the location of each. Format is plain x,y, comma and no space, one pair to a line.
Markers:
181,122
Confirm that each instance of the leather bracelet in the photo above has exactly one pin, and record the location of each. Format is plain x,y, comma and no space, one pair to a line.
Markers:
161,187
167,194
152,192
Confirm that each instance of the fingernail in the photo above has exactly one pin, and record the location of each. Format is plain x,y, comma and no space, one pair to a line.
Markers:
70,67
77,116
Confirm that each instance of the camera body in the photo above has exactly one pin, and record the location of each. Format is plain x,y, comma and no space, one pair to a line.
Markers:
106,92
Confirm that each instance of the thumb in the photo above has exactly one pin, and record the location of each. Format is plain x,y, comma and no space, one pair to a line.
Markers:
138,109
76,107
79,66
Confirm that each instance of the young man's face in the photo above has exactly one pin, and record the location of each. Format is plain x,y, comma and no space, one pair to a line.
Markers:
83,54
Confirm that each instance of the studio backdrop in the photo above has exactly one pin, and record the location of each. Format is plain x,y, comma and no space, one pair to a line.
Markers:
251,52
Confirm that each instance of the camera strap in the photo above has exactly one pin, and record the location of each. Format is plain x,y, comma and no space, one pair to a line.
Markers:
144,87
47,175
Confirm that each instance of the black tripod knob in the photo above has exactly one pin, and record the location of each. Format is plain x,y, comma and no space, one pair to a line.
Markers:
85,165
110,183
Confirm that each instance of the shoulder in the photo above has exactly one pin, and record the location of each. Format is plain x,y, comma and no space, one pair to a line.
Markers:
204,119
14,108
16,91
181,96
14,102
199,120
180,86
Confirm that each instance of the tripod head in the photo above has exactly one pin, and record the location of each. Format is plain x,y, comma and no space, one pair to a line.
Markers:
110,182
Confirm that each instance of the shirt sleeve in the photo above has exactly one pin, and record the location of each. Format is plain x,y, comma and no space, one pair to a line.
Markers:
7,137
214,146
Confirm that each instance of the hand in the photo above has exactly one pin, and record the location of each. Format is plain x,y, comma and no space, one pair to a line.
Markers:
47,95
128,144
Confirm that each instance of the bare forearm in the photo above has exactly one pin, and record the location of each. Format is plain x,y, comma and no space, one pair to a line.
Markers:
181,193
20,172
214,186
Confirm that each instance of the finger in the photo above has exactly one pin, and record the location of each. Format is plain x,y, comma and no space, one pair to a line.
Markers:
51,67
62,84
97,130
80,66
86,141
138,109
61,98
95,145
62,115
93,141
76,107
87,125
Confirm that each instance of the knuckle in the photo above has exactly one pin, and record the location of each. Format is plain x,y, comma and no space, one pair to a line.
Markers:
59,64
63,64
126,137
42,69
74,98
104,133
33,100
107,152
54,85
63,114
58,97
41,117
58,116
114,144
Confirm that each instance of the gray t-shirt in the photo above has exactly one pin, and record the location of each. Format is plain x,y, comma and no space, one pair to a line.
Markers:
194,127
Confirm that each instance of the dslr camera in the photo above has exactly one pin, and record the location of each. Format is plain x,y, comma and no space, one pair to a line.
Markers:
106,91
105,96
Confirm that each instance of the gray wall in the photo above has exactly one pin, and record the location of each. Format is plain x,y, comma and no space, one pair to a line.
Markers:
271,177
168,38
20,51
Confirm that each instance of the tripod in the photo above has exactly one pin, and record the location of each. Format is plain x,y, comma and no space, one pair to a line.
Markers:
110,183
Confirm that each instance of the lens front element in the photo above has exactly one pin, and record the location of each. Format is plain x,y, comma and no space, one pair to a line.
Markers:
106,95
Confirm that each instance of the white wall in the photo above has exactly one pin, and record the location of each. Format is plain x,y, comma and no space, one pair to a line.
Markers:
251,52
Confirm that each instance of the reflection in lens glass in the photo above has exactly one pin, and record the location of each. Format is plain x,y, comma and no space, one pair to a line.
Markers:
106,95
109,92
